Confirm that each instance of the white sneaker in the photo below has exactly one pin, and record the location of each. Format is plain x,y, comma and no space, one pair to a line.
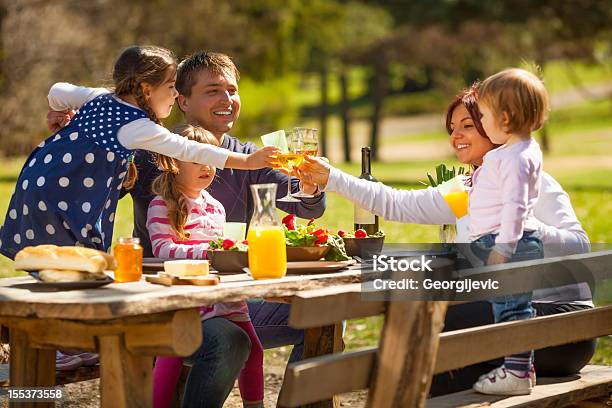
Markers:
532,376
504,382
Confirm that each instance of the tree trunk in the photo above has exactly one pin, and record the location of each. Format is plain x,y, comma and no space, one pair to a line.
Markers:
379,84
3,14
541,62
323,110
345,115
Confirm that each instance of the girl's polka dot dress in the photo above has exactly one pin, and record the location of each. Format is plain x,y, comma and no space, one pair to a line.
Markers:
68,188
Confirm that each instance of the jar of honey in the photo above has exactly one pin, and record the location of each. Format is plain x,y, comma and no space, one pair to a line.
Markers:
128,254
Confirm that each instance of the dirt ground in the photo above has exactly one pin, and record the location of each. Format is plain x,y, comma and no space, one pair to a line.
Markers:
86,394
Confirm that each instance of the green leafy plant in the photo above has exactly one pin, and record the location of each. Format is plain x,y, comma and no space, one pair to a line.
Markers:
443,174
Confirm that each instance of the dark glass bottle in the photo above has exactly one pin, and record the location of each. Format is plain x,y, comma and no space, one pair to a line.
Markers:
363,218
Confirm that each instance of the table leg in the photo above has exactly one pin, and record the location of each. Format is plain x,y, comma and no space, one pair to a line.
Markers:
30,367
319,341
126,379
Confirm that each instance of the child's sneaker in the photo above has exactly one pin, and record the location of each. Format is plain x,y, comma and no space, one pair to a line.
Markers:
89,359
504,382
532,377
64,362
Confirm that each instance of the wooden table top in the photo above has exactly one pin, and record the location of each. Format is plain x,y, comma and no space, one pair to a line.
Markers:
24,297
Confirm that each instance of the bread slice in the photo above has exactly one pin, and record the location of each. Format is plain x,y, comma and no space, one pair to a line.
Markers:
63,258
54,275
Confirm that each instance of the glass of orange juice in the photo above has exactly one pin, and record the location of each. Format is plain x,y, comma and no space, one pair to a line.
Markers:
267,249
455,194
458,202
128,254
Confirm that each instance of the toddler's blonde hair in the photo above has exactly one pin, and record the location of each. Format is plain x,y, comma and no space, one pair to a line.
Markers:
520,94
165,184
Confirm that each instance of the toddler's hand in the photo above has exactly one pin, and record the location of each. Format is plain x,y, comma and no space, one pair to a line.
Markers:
263,157
314,170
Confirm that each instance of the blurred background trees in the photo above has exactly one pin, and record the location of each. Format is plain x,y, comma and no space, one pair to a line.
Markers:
300,60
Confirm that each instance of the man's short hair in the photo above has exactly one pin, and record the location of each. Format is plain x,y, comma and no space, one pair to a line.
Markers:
191,66
519,93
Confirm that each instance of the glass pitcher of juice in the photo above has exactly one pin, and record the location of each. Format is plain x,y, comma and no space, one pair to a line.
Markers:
128,254
267,249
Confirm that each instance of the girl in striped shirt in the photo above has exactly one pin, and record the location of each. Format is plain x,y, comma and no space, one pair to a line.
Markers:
181,221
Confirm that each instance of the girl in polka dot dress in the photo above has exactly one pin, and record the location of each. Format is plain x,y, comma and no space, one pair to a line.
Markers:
68,189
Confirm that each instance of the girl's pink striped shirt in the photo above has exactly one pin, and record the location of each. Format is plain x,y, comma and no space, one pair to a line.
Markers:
204,223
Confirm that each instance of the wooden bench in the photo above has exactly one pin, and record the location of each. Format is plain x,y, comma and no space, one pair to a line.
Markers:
412,343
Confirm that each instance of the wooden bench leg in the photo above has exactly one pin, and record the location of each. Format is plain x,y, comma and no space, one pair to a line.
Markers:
126,379
30,367
319,341
407,357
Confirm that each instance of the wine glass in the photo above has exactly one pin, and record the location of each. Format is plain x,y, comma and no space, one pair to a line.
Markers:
292,158
310,147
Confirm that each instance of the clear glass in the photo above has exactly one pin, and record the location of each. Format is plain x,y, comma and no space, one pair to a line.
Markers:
310,147
267,249
128,254
292,158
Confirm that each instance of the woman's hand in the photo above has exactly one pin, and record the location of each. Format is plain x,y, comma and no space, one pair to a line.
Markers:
495,258
314,170
58,119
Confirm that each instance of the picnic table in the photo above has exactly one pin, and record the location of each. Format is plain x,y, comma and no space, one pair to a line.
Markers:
130,323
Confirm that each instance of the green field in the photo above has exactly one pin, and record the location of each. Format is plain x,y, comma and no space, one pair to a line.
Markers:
581,139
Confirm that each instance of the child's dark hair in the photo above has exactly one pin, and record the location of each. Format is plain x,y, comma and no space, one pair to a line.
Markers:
165,184
135,65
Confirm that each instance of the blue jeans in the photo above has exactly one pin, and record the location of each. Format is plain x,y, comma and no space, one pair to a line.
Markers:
518,306
226,347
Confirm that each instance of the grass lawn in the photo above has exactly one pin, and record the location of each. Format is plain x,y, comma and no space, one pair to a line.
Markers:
581,140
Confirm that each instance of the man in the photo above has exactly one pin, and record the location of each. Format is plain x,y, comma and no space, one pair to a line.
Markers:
207,83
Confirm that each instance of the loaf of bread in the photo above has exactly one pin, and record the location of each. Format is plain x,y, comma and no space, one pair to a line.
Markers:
70,258
55,275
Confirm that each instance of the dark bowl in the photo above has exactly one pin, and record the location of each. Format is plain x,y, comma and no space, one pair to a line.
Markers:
301,254
363,246
228,261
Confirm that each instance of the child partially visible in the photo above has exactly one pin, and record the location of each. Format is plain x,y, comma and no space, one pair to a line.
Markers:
513,103
181,221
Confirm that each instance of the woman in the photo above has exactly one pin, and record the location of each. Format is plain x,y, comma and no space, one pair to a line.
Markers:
559,228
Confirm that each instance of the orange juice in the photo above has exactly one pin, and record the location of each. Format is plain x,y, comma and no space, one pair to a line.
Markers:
458,203
267,252
128,254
